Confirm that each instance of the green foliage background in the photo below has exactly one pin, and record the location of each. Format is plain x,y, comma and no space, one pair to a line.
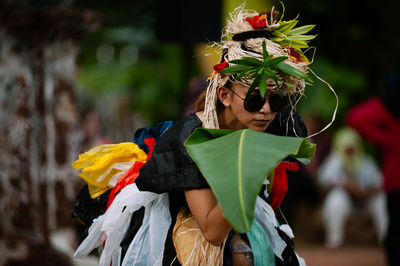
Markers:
351,43
153,81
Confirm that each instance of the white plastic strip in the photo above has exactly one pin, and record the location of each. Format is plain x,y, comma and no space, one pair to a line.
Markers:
337,104
265,215
113,225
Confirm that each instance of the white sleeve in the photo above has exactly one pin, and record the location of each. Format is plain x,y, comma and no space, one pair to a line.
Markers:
370,174
331,171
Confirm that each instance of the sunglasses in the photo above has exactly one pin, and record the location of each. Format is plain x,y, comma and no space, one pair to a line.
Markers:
254,102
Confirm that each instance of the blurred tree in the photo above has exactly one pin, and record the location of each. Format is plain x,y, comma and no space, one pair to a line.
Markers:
39,126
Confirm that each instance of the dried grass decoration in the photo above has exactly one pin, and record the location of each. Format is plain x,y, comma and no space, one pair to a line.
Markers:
191,246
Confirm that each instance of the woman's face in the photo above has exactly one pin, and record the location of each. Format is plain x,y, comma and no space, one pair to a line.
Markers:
238,118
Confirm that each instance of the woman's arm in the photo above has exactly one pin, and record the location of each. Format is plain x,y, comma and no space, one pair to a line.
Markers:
208,215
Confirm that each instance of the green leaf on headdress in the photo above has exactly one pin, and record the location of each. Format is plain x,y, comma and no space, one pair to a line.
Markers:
277,39
263,83
266,56
292,71
287,84
301,30
287,35
246,74
294,43
235,69
252,68
255,84
302,37
248,61
273,76
275,61
285,26
236,163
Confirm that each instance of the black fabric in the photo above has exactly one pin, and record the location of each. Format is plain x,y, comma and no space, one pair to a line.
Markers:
288,254
170,252
87,208
228,249
170,167
242,36
170,170
283,124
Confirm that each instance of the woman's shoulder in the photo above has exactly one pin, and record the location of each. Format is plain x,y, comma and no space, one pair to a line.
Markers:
170,167
177,134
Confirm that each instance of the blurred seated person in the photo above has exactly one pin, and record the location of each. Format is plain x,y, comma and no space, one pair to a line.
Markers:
354,182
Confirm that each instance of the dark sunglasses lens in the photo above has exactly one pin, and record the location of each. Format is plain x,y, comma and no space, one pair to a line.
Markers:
277,102
253,103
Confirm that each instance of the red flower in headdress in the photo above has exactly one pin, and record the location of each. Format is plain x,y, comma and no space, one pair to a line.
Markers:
219,67
295,56
257,22
293,53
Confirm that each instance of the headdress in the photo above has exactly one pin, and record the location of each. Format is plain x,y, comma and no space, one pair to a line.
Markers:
260,50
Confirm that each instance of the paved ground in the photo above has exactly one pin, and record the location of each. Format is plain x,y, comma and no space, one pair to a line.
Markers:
360,248
346,256
319,256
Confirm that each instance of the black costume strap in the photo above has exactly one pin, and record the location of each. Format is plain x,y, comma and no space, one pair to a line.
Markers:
242,36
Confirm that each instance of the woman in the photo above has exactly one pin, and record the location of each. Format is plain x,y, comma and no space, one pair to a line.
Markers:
242,94
182,179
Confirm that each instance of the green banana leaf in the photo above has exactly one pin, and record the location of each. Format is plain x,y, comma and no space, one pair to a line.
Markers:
235,163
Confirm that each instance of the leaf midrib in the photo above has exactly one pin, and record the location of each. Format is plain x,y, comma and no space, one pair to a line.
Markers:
240,178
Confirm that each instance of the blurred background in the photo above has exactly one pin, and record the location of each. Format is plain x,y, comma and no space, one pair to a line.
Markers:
75,74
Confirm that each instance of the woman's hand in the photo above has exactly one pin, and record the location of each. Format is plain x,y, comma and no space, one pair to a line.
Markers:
208,215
